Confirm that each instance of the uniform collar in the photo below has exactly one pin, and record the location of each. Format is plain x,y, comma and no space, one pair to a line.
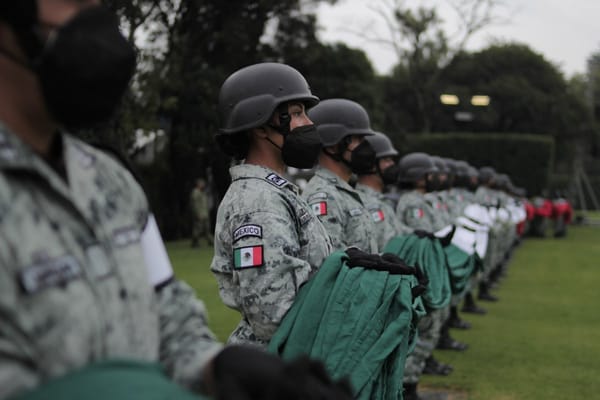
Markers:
332,178
368,190
17,157
339,183
248,171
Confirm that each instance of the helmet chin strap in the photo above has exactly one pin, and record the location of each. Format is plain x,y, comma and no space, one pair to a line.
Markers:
284,124
339,155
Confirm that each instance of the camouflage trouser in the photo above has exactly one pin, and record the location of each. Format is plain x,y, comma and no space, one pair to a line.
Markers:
201,229
428,336
492,253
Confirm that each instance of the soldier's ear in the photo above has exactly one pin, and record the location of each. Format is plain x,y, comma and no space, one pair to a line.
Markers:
260,132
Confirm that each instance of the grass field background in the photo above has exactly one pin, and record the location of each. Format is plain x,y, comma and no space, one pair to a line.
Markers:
540,341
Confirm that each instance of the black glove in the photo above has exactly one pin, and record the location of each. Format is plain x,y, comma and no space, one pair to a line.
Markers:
386,262
422,234
446,240
247,373
422,280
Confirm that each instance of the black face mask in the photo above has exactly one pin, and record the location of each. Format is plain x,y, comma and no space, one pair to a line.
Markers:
301,147
390,174
432,183
84,68
362,159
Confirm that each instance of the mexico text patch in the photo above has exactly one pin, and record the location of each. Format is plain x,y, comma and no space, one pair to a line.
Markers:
248,257
247,230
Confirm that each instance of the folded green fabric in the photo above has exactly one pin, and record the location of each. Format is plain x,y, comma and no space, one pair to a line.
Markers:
358,322
112,380
429,255
461,267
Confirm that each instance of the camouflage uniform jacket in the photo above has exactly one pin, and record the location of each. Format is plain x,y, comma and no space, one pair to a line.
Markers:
386,222
486,197
414,211
267,244
342,211
439,204
74,285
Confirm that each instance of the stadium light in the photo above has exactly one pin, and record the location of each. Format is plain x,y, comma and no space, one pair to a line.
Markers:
449,99
480,101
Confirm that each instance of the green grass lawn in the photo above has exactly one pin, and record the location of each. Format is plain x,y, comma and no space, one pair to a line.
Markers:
540,341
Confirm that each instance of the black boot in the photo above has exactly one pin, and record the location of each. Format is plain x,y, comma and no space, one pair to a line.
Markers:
484,293
470,307
434,367
410,392
455,321
446,341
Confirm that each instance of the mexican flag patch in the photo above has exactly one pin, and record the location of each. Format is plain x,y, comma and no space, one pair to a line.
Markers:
378,216
417,213
248,257
319,208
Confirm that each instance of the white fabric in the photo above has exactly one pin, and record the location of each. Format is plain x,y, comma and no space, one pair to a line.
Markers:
155,254
464,239
478,214
482,243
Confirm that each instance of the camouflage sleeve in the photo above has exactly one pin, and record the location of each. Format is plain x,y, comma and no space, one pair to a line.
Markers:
332,217
260,265
17,369
186,342
413,216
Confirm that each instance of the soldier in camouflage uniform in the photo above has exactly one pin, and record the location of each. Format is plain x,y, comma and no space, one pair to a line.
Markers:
342,125
466,183
200,214
268,242
84,275
439,201
487,197
417,175
371,187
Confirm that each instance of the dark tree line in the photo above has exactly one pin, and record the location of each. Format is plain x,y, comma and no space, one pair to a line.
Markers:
188,47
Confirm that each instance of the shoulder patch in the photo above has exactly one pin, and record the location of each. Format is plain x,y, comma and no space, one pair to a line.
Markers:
415,212
51,273
378,215
276,180
247,230
317,196
248,257
304,217
355,212
319,208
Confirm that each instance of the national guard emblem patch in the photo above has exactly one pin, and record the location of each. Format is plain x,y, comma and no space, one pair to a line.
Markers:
319,208
248,257
276,180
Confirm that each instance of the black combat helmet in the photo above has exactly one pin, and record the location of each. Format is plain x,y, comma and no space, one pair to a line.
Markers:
338,118
413,167
382,145
486,175
250,96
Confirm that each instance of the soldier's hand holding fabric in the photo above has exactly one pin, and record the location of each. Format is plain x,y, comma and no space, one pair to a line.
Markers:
245,373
